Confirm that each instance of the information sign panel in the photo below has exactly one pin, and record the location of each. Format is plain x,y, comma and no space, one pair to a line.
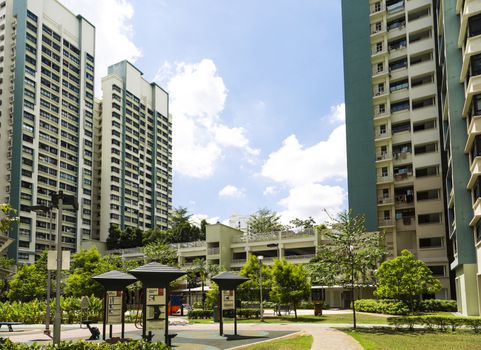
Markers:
156,308
228,300
114,307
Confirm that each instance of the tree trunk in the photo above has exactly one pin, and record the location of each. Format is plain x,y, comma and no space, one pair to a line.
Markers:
295,312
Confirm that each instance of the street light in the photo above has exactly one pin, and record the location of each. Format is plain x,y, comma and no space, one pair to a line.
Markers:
46,209
351,256
59,200
260,258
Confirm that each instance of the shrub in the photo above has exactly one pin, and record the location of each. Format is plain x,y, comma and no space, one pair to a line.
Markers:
436,322
199,313
432,305
80,345
390,307
248,313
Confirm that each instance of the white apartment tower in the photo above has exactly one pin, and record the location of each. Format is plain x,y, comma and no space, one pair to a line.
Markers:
393,127
133,164
46,119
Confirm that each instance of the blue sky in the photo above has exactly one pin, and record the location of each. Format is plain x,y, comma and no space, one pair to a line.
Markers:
256,93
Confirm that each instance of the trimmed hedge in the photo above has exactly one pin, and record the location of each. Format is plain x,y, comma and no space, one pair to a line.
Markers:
81,345
199,313
393,307
436,322
249,313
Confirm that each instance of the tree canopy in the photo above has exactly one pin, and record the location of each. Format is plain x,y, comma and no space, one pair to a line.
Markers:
264,221
249,290
404,278
290,283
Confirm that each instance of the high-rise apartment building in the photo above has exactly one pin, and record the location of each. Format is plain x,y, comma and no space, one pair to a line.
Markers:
394,148
46,119
459,62
133,165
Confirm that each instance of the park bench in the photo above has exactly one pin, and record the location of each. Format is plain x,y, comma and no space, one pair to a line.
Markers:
9,325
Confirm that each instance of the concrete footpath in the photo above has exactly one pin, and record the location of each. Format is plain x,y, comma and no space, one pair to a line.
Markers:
325,336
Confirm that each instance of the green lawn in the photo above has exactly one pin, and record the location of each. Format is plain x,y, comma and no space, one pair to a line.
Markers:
299,342
338,318
416,340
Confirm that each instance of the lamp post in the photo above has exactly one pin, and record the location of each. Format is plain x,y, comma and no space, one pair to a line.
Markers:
260,258
59,200
46,209
351,256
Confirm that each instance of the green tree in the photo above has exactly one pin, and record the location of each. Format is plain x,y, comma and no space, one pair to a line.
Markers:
249,290
348,255
113,240
161,253
27,284
153,235
404,278
84,266
290,283
303,224
7,217
264,221
6,265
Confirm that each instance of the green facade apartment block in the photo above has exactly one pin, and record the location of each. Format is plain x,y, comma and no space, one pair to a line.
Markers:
359,111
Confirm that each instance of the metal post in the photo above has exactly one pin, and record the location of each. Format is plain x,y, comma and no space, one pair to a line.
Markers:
352,287
49,278
58,317
221,314
167,300
260,289
235,311
122,319
144,314
104,322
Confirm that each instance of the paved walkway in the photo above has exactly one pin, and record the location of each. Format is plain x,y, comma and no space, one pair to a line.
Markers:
325,336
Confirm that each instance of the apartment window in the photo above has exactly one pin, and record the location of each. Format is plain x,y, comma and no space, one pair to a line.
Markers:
422,57
379,47
380,89
437,270
427,171
384,171
424,125
377,6
387,215
421,35
397,44
401,127
416,14
400,106
426,79
427,195
433,218
398,64
475,65
398,85
426,148
423,103
474,25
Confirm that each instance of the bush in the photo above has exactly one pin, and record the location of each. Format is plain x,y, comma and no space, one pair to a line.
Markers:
436,322
248,313
390,307
432,305
199,313
393,307
33,312
80,345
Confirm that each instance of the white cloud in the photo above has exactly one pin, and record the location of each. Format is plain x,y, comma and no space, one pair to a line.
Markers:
114,32
231,191
305,170
197,218
312,200
270,190
337,114
295,165
197,100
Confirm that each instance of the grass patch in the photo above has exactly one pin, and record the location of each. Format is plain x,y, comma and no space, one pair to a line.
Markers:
336,318
298,342
380,339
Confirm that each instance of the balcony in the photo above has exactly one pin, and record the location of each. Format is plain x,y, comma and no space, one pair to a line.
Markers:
377,9
384,179
470,8
474,129
383,223
474,88
213,251
383,156
475,169
406,224
395,7
378,135
476,212
378,50
296,258
472,47
381,201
